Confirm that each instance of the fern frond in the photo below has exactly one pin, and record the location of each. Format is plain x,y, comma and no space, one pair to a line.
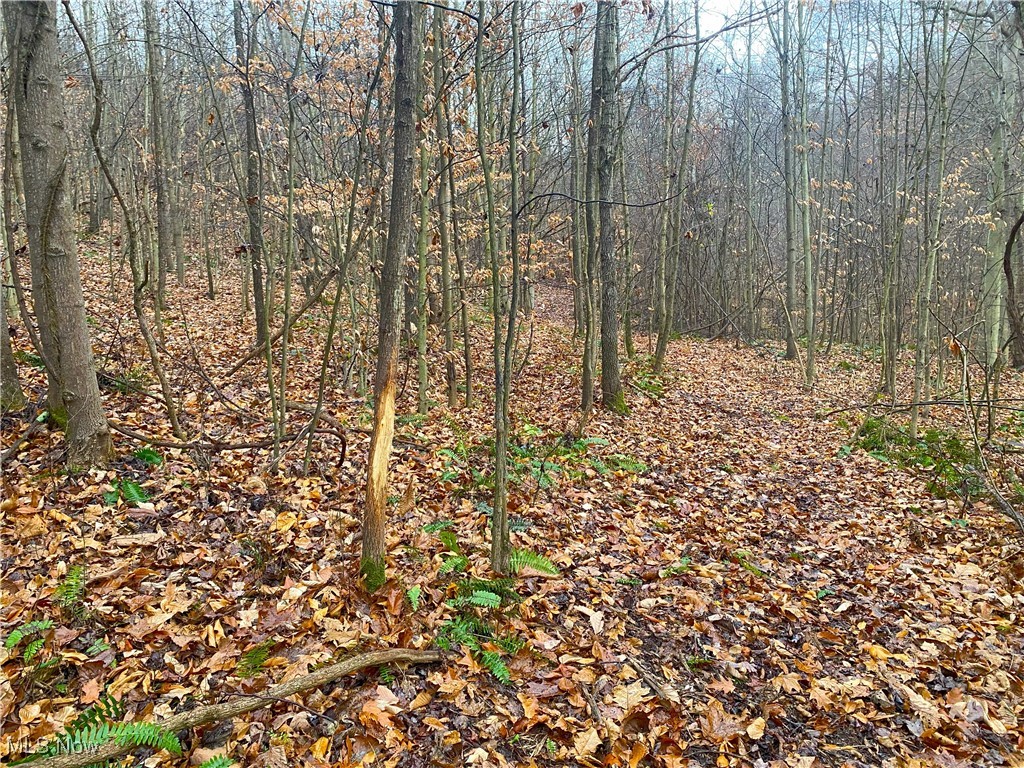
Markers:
493,661
481,598
132,492
510,644
453,564
524,558
438,525
71,590
450,540
413,594
105,709
220,761
503,587
252,661
32,650
26,630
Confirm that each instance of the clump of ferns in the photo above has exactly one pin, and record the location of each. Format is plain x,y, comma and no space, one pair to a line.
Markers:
479,601
100,724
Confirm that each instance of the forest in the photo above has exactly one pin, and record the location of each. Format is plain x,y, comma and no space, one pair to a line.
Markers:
619,383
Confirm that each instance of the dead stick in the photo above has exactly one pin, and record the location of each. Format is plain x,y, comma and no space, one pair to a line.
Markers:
218,446
216,712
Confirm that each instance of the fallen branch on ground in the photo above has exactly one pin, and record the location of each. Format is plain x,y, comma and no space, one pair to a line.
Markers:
216,712
214,446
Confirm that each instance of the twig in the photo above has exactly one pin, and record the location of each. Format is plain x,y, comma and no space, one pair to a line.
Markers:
216,712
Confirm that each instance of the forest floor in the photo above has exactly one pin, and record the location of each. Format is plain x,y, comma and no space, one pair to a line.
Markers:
738,584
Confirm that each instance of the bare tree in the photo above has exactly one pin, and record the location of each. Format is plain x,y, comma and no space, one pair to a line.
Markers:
37,84
406,93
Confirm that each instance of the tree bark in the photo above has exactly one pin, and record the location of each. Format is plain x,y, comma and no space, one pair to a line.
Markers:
407,86
605,57
244,43
37,85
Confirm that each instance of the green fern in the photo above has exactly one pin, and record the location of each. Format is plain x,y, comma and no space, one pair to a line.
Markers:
32,650
524,558
93,729
128,490
480,598
148,455
450,540
106,709
71,591
98,646
132,492
26,630
473,633
501,587
252,661
493,661
220,761
453,564
413,594
438,525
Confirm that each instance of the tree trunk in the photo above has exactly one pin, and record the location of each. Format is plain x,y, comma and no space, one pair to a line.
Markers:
164,215
253,175
406,139
38,84
605,59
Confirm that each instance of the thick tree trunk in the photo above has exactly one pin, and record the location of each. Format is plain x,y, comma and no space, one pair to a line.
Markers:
38,83
407,88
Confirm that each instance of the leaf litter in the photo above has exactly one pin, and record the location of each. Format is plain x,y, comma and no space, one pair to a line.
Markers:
734,587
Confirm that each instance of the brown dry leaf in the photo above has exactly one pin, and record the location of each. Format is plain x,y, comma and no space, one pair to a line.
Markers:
637,753
627,697
26,528
91,690
596,618
717,725
756,728
422,699
587,742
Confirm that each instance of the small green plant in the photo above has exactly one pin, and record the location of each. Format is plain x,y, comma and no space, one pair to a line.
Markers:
385,676
252,661
649,383
674,570
821,594
148,455
438,525
128,490
523,558
70,593
27,630
742,557
220,761
98,646
413,595
949,462
482,641
29,358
